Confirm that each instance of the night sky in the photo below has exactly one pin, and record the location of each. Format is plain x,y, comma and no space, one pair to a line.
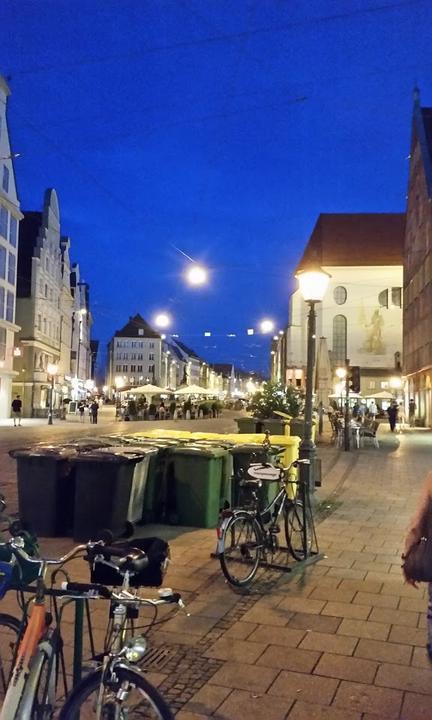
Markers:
219,129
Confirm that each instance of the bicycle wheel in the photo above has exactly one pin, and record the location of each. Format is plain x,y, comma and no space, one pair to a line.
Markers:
9,634
294,533
242,543
126,695
46,684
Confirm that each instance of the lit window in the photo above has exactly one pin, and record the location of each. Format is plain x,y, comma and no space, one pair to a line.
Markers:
140,331
3,221
384,385
372,384
5,181
340,295
339,339
125,368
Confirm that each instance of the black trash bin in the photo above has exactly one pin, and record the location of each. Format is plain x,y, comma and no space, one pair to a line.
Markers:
243,456
46,488
104,488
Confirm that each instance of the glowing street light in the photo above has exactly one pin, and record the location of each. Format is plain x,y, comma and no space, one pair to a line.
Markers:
196,275
267,326
119,382
341,373
162,320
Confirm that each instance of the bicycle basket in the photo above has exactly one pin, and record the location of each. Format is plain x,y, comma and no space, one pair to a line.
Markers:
23,572
157,551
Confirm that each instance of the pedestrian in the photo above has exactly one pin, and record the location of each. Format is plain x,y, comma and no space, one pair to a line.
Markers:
401,418
81,409
16,410
392,412
361,412
214,408
373,410
173,409
419,527
94,408
355,410
162,411
412,407
152,411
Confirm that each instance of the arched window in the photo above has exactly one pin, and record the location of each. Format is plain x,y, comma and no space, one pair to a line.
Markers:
339,339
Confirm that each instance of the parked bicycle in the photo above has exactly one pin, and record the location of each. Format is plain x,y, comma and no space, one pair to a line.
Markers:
116,690
247,536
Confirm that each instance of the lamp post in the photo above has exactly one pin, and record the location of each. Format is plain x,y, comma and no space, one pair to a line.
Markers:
52,370
313,284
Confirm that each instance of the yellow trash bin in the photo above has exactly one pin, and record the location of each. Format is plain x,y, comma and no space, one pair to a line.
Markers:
165,433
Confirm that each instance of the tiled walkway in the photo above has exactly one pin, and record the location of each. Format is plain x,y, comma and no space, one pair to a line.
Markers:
344,640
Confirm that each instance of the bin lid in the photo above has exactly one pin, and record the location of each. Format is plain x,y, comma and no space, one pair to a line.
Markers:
121,454
249,448
47,451
207,451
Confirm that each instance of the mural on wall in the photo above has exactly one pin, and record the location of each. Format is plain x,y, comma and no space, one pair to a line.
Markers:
373,342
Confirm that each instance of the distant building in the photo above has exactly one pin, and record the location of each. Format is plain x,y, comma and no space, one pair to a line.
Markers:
134,355
81,357
10,217
417,340
361,315
44,309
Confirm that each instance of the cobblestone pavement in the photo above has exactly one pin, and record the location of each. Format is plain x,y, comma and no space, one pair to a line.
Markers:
342,640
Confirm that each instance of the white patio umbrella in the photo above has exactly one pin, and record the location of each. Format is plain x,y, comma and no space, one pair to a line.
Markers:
323,374
193,390
381,395
148,389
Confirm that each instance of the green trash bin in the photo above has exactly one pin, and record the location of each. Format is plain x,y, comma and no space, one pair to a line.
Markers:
249,425
243,456
198,481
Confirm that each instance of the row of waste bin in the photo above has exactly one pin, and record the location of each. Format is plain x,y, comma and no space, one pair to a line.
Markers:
83,487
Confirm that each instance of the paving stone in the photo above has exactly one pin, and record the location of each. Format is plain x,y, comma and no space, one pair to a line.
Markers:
407,636
286,636
309,711
347,573
293,605
416,707
333,594
364,628
372,586
320,623
268,616
240,630
309,688
414,679
193,625
395,587
288,658
380,702
346,610
243,651
207,699
413,604
186,715
384,651
346,668
325,642
394,617
420,657
244,677
376,600
241,704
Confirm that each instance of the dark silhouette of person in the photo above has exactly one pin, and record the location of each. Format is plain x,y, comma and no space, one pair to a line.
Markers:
392,412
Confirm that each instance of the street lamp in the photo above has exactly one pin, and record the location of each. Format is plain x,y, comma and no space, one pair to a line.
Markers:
196,275
313,284
52,370
162,320
266,326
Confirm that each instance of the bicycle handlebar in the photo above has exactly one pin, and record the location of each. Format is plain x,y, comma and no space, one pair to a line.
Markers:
93,591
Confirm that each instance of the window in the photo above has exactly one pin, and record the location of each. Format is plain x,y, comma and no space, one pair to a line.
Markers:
133,343
125,356
5,181
139,368
39,322
140,331
339,339
151,356
133,356
11,268
384,385
133,368
340,295
139,356
151,345
2,344
13,231
125,368
118,368
396,297
141,344
3,221
10,303
44,326
2,302
372,384
150,368
118,356
46,290
47,263
2,262
383,298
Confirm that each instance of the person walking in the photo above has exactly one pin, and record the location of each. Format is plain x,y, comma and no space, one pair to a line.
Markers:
81,409
421,525
94,408
392,412
16,410
412,407
373,410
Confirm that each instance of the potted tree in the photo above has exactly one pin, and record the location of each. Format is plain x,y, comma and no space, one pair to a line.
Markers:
275,398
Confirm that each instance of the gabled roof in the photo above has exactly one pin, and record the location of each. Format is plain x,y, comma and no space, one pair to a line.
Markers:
351,239
422,131
132,328
187,350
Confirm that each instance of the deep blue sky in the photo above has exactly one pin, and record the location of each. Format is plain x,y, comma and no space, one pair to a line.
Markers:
222,128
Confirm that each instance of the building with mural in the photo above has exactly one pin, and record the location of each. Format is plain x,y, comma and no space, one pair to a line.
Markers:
361,315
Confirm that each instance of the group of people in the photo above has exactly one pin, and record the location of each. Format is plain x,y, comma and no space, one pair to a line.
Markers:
93,409
172,410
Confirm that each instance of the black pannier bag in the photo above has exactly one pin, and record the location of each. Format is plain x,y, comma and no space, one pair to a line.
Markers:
157,551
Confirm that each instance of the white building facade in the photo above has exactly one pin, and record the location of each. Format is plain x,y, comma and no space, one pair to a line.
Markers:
81,324
361,314
10,217
135,355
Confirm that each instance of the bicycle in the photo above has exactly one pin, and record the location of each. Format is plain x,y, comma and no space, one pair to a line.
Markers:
31,692
245,536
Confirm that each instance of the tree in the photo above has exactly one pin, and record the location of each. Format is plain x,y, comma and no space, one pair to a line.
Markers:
274,396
